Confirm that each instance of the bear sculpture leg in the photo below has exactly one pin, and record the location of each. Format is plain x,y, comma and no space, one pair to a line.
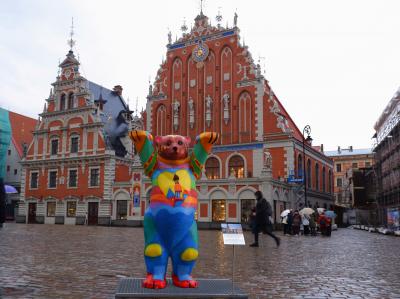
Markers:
184,257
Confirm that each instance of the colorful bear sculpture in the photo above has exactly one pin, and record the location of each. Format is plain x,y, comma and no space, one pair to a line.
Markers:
170,229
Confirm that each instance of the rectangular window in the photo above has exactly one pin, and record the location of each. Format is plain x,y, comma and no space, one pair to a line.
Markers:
94,177
339,182
15,171
34,180
74,144
54,146
52,179
218,210
8,168
338,167
72,178
367,164
354,165
51,209
71,208
9,152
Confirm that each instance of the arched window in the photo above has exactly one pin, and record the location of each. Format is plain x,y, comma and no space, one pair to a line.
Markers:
161,120
62,102
330,181
212,168
299,166
236,165
71,101
308,178
323,179
316,176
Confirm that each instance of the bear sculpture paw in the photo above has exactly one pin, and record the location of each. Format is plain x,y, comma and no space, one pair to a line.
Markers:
151,283
184,283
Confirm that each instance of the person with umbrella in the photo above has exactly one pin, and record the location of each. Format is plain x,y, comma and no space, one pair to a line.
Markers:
306,215
262,222
324,224
284,216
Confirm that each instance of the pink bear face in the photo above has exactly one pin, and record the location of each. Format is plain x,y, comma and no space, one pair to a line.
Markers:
172,147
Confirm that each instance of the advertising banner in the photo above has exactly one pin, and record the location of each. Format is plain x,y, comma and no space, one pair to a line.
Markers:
393,218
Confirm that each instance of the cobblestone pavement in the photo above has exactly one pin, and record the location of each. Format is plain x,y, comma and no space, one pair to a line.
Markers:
57,261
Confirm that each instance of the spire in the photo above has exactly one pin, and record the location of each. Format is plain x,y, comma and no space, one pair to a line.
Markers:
219,17
136,109
71,42
184,28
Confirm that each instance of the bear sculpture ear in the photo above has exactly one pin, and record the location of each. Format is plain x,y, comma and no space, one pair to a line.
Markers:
188,140
157,140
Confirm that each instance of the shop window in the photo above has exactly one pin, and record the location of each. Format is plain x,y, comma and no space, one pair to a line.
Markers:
34,180
246,206
236,166
73,178
94,177
51,209
212,168
54,147
53,179
74,144
218,210
122,209
71,208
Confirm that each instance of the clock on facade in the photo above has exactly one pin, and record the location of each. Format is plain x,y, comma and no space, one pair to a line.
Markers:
200,52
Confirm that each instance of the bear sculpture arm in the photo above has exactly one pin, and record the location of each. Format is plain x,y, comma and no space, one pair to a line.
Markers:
201,150
144,146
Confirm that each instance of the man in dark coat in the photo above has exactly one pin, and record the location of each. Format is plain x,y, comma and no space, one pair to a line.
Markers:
262,221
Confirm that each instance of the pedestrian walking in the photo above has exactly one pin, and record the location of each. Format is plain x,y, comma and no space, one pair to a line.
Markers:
313,226
285,225
290,222
306,224
263,224
296,222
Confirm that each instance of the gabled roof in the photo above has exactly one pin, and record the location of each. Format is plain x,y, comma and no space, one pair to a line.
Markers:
21,130
114,104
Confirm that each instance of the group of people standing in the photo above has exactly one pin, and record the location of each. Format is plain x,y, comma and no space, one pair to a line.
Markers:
295,223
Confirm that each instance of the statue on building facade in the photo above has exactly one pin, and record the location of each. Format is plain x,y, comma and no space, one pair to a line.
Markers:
209,102
191,112
175,108
225,99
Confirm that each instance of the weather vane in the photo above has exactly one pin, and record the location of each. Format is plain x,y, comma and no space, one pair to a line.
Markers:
219,16
137,101
71,42
184,28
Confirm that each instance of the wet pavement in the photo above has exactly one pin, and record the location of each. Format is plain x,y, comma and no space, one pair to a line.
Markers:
60,261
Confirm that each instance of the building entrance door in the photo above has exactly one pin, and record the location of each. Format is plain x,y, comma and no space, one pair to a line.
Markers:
32,212
93,213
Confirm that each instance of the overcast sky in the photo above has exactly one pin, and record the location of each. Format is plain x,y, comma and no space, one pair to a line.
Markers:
333,64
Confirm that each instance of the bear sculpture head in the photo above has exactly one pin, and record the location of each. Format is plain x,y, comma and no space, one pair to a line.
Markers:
172,147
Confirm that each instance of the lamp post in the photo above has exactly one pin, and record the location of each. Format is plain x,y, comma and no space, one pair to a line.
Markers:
307,129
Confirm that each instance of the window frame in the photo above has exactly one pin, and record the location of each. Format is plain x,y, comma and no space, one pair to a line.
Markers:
243,175
90,177
74,136
338,165
51,145
48,178
118,206
69,176
30,179
341,182
47,208
67,208
217,169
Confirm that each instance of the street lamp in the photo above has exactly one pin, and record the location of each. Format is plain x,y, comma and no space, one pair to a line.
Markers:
307,129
